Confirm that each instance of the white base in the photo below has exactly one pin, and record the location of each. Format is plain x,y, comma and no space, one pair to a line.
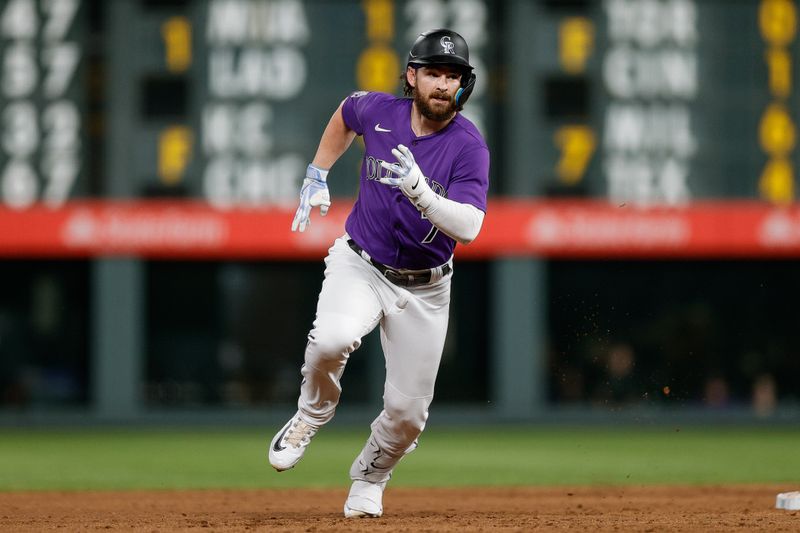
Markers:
788,500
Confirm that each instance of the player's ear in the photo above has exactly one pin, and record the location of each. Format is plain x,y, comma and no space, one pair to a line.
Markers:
411,76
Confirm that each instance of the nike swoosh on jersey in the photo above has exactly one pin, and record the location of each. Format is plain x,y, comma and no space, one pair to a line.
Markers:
378,128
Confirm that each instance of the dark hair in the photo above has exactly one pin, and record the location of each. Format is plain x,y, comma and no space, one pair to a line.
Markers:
408,90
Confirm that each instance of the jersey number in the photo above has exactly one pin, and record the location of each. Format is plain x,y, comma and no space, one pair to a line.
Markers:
438,189
431,235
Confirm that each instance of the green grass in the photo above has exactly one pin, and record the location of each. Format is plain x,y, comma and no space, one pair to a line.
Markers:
236,458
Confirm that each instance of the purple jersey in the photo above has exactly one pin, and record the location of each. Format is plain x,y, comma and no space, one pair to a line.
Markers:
455,160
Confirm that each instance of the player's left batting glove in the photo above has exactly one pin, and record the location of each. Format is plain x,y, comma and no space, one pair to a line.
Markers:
410,179
314,193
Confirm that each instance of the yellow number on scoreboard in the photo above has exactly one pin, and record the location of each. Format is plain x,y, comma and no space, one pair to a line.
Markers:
577,144
174,153
378,69
177,34
575,43
777,181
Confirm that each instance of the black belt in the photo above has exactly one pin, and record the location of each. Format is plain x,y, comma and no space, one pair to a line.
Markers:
402,278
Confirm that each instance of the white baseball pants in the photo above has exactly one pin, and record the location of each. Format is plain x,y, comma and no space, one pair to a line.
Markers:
355,298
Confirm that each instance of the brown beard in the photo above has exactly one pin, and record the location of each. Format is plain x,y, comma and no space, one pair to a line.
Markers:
430,113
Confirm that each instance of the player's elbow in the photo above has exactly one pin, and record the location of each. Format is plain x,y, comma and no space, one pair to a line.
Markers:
460,222
465,236
466,239
472,230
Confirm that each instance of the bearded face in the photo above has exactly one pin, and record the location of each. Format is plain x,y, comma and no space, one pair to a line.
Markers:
438,106
435,89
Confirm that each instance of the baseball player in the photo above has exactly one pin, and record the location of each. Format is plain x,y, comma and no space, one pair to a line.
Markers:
424,180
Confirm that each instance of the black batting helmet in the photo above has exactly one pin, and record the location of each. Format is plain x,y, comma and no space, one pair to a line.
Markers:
444,47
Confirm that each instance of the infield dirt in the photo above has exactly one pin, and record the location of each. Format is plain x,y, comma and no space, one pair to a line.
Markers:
629,508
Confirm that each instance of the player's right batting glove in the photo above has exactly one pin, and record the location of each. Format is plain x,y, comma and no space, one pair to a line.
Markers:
313,194
410,180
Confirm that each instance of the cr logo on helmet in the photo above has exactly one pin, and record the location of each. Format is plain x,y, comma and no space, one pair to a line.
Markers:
447,45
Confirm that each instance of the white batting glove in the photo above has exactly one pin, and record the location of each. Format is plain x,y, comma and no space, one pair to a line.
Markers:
313,194
410,179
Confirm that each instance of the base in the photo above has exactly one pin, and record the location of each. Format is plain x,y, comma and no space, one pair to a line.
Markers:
788,500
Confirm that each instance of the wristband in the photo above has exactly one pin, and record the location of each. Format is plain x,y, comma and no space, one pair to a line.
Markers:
316,173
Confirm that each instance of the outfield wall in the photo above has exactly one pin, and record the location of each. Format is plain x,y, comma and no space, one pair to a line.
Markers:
639,253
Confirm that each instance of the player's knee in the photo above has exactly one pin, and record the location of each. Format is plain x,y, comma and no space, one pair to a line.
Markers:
333,340
408,416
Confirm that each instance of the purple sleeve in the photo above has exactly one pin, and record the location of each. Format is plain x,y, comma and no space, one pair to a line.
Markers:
354,106
470,181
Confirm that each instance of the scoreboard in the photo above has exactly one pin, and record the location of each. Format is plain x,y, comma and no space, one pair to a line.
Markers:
42,101
633,101
669,101
235,94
